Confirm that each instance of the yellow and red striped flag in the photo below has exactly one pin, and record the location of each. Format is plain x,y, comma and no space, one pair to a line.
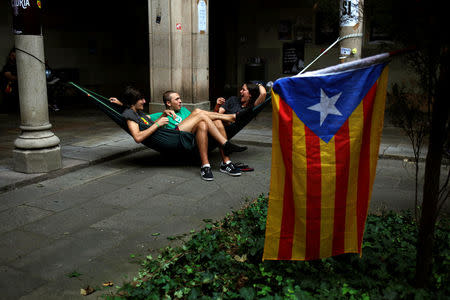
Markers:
327,127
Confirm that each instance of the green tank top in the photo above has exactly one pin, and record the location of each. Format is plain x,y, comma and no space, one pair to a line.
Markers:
182,114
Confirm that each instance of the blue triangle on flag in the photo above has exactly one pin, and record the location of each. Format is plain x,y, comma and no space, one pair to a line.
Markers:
325,102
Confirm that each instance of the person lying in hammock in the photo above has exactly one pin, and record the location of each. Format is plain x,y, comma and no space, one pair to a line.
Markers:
197,124
250,95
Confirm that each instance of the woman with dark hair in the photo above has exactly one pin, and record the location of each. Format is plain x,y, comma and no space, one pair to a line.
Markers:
251,94
8,82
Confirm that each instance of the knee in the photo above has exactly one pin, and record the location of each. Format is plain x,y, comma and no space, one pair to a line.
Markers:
218,123
197,111
201,114
202,126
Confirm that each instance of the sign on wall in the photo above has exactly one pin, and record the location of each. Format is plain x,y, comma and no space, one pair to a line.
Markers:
349,12
26,17
293,57
201,9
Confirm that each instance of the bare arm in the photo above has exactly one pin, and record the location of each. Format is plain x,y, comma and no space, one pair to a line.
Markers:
262,95
116,101
167,113
220,101
139,135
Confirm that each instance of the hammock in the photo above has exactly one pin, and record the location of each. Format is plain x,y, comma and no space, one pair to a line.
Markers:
165,140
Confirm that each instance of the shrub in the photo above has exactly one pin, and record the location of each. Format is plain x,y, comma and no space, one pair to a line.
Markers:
223,261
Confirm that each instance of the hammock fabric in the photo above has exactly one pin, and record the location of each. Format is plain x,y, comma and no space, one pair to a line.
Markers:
165,140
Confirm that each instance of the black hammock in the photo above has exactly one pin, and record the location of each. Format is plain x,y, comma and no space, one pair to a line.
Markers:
165,140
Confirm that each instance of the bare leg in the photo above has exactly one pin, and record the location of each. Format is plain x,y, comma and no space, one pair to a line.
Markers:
221,129
201,136
190,123
223,117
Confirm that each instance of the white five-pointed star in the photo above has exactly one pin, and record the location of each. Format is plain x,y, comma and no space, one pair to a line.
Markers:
326,106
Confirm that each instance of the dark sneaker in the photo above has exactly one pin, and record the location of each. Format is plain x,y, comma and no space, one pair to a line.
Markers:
229,148
230,169
243,167
206,174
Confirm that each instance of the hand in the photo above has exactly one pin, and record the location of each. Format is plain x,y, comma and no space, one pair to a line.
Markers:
169,112
162,121
115,100
220,101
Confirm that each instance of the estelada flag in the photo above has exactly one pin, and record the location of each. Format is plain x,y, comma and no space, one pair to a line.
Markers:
327,127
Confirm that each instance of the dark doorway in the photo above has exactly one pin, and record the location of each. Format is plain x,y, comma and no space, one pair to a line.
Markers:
223,46
99,45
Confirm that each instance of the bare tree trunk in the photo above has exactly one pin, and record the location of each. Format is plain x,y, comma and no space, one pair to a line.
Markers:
440,115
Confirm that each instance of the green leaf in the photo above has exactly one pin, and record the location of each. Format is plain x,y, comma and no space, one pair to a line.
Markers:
247,293
73,274
178,294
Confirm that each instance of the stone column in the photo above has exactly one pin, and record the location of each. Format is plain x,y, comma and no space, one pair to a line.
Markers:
37,148
351,18
178,53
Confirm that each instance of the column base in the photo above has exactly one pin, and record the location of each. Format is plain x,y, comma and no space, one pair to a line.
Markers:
159,107
37,161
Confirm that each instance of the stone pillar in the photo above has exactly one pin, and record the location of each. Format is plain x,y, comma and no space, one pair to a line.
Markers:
351,18
37,148
178,52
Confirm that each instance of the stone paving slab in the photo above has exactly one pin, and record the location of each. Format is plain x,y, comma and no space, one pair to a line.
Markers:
89,154
17,243
72,219
133,220
19,216
71,197
15,283
66,255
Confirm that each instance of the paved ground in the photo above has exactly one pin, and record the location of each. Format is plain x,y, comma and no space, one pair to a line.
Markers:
114,198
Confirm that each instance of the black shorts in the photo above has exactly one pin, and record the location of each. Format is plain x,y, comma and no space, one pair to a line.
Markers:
165,140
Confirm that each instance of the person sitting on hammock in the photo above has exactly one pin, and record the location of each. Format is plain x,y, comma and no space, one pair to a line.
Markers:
198,123
250,95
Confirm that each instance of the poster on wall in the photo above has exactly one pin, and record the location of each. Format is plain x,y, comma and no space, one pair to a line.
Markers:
26,17
349,12
293,57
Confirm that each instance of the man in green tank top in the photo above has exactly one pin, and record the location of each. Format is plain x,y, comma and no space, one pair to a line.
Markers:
202,123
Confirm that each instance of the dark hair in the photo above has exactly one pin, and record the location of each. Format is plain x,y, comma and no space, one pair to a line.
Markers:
253,90
130,96
166,96
13,50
